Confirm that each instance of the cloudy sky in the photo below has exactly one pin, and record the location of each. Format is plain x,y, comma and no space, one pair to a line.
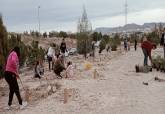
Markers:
21,15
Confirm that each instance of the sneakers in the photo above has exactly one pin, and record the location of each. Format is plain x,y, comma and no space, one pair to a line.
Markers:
24,104
7,108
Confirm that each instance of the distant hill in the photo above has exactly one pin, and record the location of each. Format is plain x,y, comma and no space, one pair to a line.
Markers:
129,28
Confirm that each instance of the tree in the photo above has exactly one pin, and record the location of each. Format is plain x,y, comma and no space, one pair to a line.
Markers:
53,34
3,45
117,39
104,41
96,36
154,37
63,34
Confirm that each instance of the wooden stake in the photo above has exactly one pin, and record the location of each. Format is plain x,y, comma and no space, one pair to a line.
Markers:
94,74
27,95
65,96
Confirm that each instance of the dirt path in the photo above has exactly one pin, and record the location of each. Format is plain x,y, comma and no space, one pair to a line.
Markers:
119,91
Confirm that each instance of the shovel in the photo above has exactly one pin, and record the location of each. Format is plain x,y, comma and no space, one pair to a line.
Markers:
147,83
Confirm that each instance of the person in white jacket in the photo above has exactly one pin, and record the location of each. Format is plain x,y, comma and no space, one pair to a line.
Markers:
51,56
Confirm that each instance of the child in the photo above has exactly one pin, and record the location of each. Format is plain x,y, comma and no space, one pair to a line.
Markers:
41,66
69,70
59,66
37,70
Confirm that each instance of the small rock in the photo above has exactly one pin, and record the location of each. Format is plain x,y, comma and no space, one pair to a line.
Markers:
54,89
49,88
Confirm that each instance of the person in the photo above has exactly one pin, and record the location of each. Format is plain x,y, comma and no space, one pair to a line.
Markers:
162,42
128,44
108,48
11,75
93,48
125,44
59,66
147,46
37,70
135,46
57,51
50,56
69,70
63,47
41,66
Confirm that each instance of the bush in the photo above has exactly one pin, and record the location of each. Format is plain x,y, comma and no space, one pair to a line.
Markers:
158,63
102,45
34,53
8,41
153,37
114,47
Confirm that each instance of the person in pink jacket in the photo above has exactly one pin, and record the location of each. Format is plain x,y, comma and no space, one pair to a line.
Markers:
11,75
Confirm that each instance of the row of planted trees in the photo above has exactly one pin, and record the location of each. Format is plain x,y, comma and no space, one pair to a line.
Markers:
85,38
29,53
51,34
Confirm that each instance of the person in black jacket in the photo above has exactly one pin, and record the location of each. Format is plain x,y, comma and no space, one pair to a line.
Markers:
63,47
162,42
135,46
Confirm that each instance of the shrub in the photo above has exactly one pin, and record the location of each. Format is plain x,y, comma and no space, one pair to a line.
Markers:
102,45
35,53
114,47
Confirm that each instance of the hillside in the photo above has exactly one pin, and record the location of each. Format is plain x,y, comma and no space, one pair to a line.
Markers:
129,28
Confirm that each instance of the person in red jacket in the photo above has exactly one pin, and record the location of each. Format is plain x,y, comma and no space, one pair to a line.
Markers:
147,47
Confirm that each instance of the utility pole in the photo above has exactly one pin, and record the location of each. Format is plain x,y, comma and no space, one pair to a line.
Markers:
39,19
126,11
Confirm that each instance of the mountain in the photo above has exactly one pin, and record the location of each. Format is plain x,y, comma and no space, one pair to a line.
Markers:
129,28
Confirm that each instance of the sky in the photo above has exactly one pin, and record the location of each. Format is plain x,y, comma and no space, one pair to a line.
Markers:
57,15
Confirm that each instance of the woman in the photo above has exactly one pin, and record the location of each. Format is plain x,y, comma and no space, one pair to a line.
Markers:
147,47
11,75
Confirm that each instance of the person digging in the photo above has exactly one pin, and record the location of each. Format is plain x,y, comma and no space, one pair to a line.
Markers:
11,76
147,47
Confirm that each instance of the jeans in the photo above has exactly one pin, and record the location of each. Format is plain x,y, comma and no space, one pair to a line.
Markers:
13,86
164,51
145,56
49,61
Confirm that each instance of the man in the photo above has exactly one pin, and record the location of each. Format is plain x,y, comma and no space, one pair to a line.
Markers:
63,47
135,46
147,47
162,42
125,44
